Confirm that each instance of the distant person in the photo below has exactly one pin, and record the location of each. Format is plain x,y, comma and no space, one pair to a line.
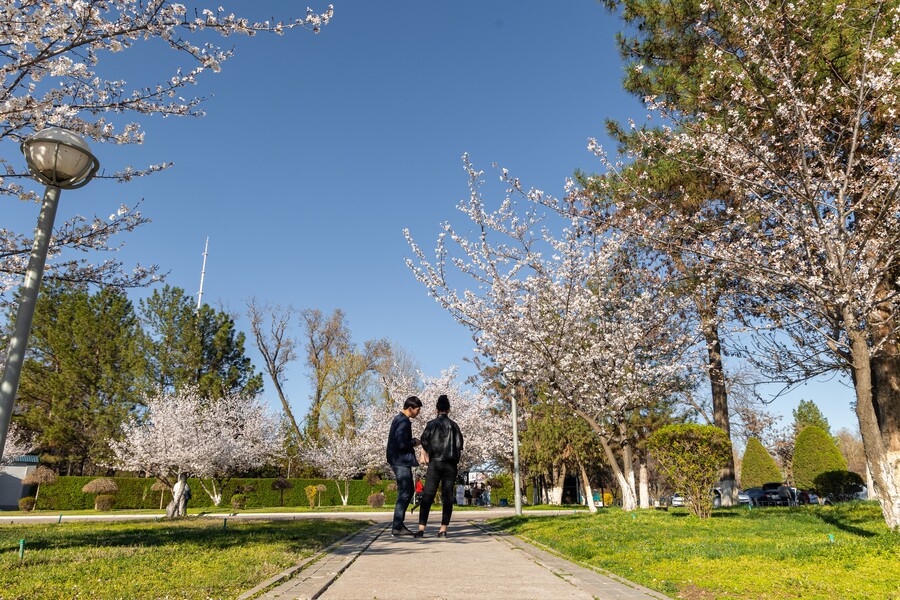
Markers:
443,444
401,456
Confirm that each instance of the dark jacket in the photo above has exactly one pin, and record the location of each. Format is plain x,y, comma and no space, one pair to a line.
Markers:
442,439
400,449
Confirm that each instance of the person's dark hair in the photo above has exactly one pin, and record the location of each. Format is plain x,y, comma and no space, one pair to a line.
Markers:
443,403
412,402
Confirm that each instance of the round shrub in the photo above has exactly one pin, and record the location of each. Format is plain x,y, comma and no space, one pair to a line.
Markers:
104,502
27,503
690,457
837,484
375,500
815,453
758,466
238,501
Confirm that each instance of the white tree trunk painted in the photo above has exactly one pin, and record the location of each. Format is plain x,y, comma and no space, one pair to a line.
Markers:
557,479
178,506
586,486
644,485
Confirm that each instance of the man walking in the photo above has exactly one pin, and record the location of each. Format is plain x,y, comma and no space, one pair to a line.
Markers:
443,444
402,458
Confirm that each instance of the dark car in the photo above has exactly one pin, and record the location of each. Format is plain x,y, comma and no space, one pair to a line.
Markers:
779,494
756,495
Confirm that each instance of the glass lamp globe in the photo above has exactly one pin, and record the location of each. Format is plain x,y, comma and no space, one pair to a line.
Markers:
60,158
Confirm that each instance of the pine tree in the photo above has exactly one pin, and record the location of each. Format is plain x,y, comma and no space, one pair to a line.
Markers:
815,453
186,346
806,414
758,466
82,376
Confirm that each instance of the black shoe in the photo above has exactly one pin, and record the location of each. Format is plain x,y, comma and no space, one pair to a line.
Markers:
442,534
401,532
419,534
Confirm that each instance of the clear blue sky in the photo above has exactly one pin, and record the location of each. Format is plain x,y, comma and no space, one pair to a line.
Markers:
317,151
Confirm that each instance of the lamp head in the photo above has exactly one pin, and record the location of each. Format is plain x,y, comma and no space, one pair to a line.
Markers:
513,372
60,158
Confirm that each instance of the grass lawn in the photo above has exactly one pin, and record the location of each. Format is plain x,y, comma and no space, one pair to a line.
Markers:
195,558
767,553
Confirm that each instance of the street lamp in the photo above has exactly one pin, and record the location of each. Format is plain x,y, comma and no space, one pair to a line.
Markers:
513,374
61,160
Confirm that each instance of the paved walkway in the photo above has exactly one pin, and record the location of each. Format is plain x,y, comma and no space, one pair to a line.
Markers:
473,562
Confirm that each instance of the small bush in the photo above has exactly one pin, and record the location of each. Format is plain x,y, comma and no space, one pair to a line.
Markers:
238,501
104,502
837,484
26,503
690,457
376,500
311,492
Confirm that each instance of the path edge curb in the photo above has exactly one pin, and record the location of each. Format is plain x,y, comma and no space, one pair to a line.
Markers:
291,571
503,535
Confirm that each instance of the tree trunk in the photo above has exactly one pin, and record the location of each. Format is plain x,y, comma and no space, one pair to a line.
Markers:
622,467
877,407
586,485
721,419
557,480
178,506
643,484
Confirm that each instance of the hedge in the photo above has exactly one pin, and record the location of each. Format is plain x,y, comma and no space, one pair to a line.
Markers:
815,453
135,493
758,466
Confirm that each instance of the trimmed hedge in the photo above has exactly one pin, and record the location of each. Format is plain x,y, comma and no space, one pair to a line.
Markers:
135,493
758,466
815,453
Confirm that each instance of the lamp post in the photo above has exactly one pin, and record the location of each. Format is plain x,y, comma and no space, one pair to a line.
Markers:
61,160
513,374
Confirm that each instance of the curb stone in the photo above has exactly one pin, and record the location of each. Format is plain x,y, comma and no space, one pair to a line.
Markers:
289,573
613,586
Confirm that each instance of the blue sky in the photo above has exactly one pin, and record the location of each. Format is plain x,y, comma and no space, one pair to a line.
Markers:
318,150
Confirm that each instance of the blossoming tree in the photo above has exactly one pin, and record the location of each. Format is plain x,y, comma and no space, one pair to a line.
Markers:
16,445
579,316
51,75
795,111
184,434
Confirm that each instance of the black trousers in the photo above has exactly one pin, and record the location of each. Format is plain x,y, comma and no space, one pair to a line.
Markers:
443,473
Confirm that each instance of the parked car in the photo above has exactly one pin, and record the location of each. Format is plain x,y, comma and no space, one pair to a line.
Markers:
677,499
807,497
779,494
743,498
757,496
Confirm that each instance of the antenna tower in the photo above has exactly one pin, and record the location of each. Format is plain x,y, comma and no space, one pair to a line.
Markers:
202,275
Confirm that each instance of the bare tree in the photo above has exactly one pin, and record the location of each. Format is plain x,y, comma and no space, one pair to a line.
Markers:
271,332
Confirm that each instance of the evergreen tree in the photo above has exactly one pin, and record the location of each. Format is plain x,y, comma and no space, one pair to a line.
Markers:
815,453
81,378
808,414
186,346
758,466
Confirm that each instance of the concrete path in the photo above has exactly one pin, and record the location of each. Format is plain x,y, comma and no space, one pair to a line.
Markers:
472,563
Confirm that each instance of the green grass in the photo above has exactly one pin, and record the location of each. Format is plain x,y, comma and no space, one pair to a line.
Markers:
195,558
769,554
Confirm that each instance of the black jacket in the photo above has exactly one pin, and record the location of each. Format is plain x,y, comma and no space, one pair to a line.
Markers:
442,439
400,444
